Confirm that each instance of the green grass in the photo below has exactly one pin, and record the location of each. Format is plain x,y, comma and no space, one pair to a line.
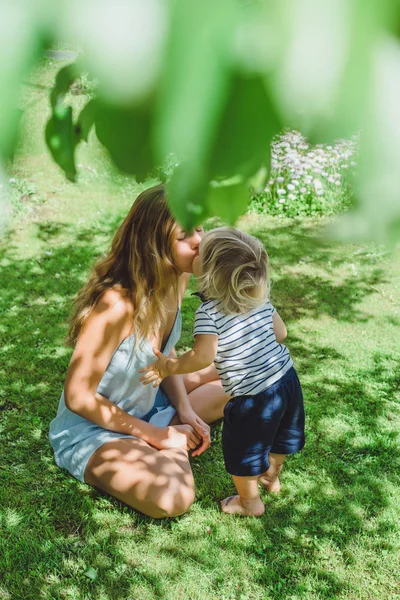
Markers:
333,533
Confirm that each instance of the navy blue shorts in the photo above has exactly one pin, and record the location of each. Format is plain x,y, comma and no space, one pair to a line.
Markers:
254,426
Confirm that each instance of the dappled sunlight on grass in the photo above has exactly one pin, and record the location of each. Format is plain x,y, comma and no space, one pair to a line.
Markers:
333,527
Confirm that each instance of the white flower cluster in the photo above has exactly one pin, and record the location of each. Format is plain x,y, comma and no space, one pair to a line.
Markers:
301,172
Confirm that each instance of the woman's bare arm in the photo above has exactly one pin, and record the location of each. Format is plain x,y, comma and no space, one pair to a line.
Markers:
109,323
176,391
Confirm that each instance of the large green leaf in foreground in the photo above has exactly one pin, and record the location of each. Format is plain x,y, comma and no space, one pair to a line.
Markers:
126,133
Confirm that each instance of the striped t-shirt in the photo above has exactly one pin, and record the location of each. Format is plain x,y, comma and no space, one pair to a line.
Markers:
248,359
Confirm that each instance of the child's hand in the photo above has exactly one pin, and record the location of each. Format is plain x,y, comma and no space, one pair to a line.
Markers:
155,372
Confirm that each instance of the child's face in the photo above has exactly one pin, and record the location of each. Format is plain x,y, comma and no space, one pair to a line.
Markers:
196,266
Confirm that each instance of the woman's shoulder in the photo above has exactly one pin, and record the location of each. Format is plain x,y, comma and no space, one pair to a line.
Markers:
115,302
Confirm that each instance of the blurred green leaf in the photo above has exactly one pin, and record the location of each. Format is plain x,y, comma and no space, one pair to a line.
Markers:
61,140
228,199
193,199
242,146
126,132
187,195
244,133
20,47
348,101
86,120
123,43
257,181
195,78
191,98
367,29
10,140
378,184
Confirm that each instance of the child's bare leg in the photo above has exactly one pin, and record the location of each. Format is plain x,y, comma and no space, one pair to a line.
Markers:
270,479
248,502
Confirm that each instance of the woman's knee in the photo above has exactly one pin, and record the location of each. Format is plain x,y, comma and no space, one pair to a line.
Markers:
147,480
172,502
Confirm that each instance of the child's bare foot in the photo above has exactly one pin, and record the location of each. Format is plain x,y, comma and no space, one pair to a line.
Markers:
270,486
235,506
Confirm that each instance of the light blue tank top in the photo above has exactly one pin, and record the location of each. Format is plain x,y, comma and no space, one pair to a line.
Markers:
74,438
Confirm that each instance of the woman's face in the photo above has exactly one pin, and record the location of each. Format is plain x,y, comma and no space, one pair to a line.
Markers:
186,248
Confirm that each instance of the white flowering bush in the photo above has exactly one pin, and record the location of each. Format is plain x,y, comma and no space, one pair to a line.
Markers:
306,179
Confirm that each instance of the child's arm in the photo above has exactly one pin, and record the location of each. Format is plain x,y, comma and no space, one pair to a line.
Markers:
279,327
200,357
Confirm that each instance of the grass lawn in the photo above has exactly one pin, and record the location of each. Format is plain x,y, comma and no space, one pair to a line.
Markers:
334,530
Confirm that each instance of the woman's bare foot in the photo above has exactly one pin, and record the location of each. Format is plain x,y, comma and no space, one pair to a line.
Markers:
274,487
233,505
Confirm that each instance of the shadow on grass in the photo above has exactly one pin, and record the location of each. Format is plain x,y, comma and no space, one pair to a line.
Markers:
335,490
316,294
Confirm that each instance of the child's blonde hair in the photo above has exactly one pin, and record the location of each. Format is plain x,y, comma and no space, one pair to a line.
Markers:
234,270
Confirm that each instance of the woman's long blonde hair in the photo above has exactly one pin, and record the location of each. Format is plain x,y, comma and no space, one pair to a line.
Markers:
234,270
140,261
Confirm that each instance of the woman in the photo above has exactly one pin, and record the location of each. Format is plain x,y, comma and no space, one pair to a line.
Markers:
111,431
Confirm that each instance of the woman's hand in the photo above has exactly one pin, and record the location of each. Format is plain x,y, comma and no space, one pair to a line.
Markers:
157,371
176,436
189,417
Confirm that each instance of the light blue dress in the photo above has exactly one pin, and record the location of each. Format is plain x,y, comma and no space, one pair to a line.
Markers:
74,439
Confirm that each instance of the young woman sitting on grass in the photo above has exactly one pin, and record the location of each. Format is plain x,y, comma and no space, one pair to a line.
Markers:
239,330
110,431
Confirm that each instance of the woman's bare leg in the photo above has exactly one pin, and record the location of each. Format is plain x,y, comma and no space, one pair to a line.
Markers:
206,395
158,483
270,479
